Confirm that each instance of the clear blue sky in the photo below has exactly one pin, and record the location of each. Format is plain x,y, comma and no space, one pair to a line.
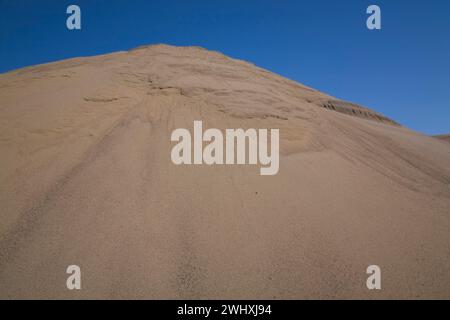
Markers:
402,71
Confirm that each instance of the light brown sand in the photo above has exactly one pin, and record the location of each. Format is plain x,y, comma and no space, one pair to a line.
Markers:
86,179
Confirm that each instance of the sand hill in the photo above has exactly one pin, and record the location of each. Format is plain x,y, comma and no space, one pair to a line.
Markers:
86,179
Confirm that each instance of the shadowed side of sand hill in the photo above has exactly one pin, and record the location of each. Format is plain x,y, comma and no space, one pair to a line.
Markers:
86,178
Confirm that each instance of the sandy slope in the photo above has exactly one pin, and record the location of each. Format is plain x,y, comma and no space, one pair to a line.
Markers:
86,178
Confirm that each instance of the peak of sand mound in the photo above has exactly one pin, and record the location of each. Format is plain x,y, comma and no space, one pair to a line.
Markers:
195,71
86,179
